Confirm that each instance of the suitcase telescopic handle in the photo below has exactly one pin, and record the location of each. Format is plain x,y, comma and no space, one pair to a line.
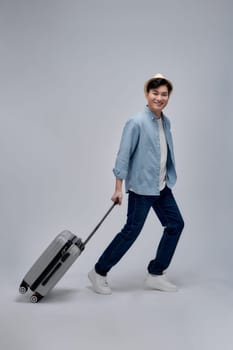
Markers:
101,221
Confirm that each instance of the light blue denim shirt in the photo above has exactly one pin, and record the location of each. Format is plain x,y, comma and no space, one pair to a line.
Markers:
138,158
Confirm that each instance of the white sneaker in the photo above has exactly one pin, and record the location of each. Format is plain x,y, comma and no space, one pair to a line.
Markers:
99,283
160,282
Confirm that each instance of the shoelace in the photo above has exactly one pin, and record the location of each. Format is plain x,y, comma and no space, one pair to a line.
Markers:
105,281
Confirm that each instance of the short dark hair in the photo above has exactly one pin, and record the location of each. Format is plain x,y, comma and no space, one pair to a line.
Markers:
153,84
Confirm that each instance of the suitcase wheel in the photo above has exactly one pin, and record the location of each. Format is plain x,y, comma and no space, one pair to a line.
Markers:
35,298
23,288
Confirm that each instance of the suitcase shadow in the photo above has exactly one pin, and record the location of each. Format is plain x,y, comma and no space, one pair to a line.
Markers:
60,295
57,295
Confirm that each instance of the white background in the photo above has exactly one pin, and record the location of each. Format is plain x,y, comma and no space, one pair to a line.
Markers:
72,72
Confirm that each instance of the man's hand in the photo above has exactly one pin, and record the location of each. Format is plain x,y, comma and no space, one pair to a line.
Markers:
117,197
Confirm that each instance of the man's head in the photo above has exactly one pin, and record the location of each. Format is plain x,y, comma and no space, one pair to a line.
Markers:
156,81
157,91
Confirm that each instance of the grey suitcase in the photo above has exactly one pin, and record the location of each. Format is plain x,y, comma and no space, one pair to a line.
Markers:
54,262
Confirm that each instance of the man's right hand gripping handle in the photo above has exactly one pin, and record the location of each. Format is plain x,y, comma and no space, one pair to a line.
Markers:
117,195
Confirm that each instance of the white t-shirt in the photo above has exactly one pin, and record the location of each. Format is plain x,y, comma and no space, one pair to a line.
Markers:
163,158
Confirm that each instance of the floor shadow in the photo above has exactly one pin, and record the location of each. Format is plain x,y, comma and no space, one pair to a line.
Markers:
57,295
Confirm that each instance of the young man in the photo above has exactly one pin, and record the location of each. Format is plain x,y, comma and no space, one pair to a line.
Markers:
145,161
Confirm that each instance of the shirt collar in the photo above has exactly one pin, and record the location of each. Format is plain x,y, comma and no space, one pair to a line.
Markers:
151,114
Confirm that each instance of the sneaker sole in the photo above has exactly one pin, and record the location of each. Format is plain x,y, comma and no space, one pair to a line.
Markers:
162,289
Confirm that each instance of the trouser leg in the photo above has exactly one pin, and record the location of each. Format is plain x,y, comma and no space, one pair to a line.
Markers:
170,217
138,208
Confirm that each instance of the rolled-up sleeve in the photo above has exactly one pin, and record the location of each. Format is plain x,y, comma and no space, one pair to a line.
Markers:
128,144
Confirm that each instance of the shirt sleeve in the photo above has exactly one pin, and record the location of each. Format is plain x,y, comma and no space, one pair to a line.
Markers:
128,144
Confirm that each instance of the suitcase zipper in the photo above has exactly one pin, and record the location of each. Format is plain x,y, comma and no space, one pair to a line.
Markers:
44,275
52,273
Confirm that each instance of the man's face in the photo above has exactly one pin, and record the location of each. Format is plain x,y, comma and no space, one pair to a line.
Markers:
157,99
